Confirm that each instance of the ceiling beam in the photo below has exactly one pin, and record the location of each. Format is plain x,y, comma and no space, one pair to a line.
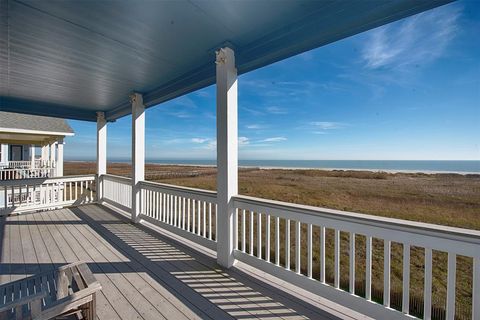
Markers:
39,108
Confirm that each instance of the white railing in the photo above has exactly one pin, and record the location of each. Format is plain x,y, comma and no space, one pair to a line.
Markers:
19,164
188,211
28,164
117,191
260,217
37,194
26,173
285,239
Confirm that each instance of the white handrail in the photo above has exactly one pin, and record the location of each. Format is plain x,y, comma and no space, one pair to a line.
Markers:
26,173
117,191
453,241
39,194
192,213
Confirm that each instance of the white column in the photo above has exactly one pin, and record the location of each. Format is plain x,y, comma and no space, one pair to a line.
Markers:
101,152
32,156
53,147
138,152
227,153
45,153
60,158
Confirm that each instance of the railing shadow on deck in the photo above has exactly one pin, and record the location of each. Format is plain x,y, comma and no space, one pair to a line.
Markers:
188,272
192,277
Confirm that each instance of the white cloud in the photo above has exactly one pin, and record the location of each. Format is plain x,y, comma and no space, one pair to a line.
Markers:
199,140
327,125
274,139
276,110
180,114
255,126
414,41
212,145
243,141
185,102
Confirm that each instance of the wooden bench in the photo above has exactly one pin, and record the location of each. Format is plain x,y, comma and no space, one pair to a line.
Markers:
64,292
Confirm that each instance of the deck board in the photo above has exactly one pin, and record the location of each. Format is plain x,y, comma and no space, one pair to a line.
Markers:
144,274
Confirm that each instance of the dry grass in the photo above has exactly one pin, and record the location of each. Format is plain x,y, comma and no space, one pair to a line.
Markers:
447,199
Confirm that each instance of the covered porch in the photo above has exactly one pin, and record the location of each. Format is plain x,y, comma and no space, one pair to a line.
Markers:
163,251
147,273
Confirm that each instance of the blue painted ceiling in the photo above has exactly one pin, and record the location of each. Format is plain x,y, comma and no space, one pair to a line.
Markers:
72,58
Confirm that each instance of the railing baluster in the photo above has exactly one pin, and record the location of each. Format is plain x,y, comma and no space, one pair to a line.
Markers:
235,230
322,254
298,238
451,277
287,244
167,208
351,276
387,247
183,213
194,202
368,269
277,241
427,295
156,206
337,259
145,205
309,250
199,208
205,219
243,231
406,279
259,235
267,237
210,221
251,232
188,214
174,210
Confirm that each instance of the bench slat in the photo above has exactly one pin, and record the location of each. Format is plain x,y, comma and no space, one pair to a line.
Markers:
86,274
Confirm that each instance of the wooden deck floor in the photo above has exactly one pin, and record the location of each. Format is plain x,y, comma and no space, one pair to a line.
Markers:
144,274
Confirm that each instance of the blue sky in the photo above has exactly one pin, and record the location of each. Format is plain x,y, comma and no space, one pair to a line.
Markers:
406,91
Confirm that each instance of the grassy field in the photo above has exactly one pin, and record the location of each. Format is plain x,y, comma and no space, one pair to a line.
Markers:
448,199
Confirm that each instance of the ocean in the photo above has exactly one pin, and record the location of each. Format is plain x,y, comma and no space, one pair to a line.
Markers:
472,166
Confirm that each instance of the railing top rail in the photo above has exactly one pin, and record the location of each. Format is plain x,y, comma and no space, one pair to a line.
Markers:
365,219
207,193
36,181
118,178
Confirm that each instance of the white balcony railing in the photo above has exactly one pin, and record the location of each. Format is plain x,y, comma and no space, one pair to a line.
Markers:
28,164
190,212
27,173
18,170
271,235
117,191
38,194
263,231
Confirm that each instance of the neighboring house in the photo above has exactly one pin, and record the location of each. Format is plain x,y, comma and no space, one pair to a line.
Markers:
31,146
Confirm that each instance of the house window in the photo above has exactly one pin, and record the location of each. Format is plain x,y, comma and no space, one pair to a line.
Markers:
16,153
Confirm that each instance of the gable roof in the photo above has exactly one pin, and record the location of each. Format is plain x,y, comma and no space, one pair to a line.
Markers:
25,123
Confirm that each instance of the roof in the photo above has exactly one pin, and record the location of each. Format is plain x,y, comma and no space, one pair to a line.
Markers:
73,58
25,123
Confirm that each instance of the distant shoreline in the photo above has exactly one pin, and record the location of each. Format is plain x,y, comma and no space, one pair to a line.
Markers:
299,168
